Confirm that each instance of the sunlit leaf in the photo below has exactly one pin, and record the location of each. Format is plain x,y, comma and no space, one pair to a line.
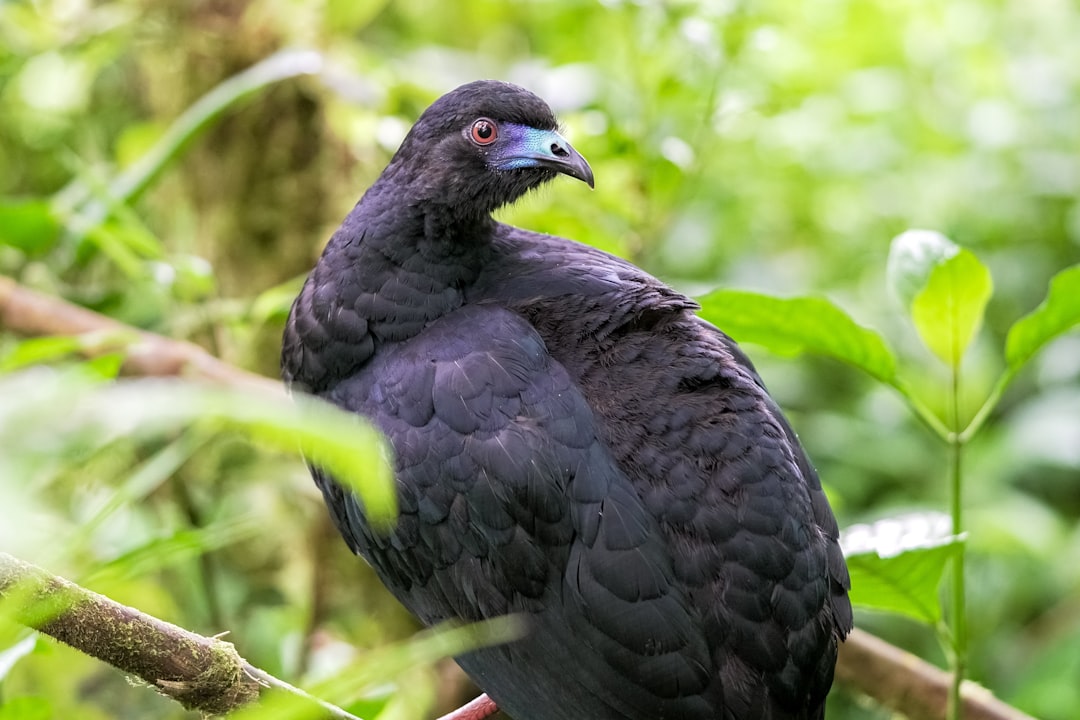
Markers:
948,311
33,351
913,255
339,441
1058,313
896,564
106,347
790,326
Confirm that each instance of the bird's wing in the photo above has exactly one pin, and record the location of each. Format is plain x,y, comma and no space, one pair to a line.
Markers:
511,503
819,503
806,640
718,465
326,336
690,424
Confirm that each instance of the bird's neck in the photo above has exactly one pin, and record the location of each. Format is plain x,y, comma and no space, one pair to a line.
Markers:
408,262
411,230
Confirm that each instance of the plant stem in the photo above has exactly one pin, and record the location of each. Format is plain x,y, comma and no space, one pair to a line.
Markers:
922,412
991,402
959,614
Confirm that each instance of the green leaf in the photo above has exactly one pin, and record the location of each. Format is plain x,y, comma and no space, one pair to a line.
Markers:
26,708
35,351
791,326
377,667
341,442
106,366
349,16
147,477
39,351
896,564
29,225
1058,313
274,303
180,546
10,656
948,311
913,255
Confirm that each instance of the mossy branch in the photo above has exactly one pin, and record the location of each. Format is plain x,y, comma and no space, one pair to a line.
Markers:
200,673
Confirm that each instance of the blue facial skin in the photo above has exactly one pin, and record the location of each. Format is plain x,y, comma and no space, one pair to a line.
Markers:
521,146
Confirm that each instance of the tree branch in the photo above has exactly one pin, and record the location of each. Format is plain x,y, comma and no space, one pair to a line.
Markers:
201,673
27,312
894,678
909,685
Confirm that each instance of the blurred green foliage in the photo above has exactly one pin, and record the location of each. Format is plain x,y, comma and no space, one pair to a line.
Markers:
770,146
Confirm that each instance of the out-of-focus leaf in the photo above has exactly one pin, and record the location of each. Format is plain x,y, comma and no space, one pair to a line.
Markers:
36,351
789,326
347,446
136,140
274,303
913,255
1058,313
29,225
1040,688
349,16
948,312
26,708
386,664
896,564
193,279
33,351
111,239
106,366
145,479
11,655
176,548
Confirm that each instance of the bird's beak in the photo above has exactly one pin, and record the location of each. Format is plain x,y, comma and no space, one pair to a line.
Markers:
560,155
549,149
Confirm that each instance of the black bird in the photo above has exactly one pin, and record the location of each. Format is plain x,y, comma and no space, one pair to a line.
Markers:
572,444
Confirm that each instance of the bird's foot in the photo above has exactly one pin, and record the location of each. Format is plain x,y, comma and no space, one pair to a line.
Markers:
478,709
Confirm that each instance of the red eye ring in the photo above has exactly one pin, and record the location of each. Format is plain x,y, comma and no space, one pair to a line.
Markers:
484,132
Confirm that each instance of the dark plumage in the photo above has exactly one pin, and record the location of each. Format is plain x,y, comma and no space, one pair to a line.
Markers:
571,444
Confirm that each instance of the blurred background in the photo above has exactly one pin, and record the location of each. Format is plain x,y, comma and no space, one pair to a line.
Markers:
772,146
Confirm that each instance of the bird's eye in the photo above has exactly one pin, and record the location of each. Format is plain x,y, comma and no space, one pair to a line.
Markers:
484,132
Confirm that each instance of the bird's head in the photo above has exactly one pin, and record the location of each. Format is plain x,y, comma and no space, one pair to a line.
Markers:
484,145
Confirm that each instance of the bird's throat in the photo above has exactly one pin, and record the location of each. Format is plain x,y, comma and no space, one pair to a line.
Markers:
404,270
